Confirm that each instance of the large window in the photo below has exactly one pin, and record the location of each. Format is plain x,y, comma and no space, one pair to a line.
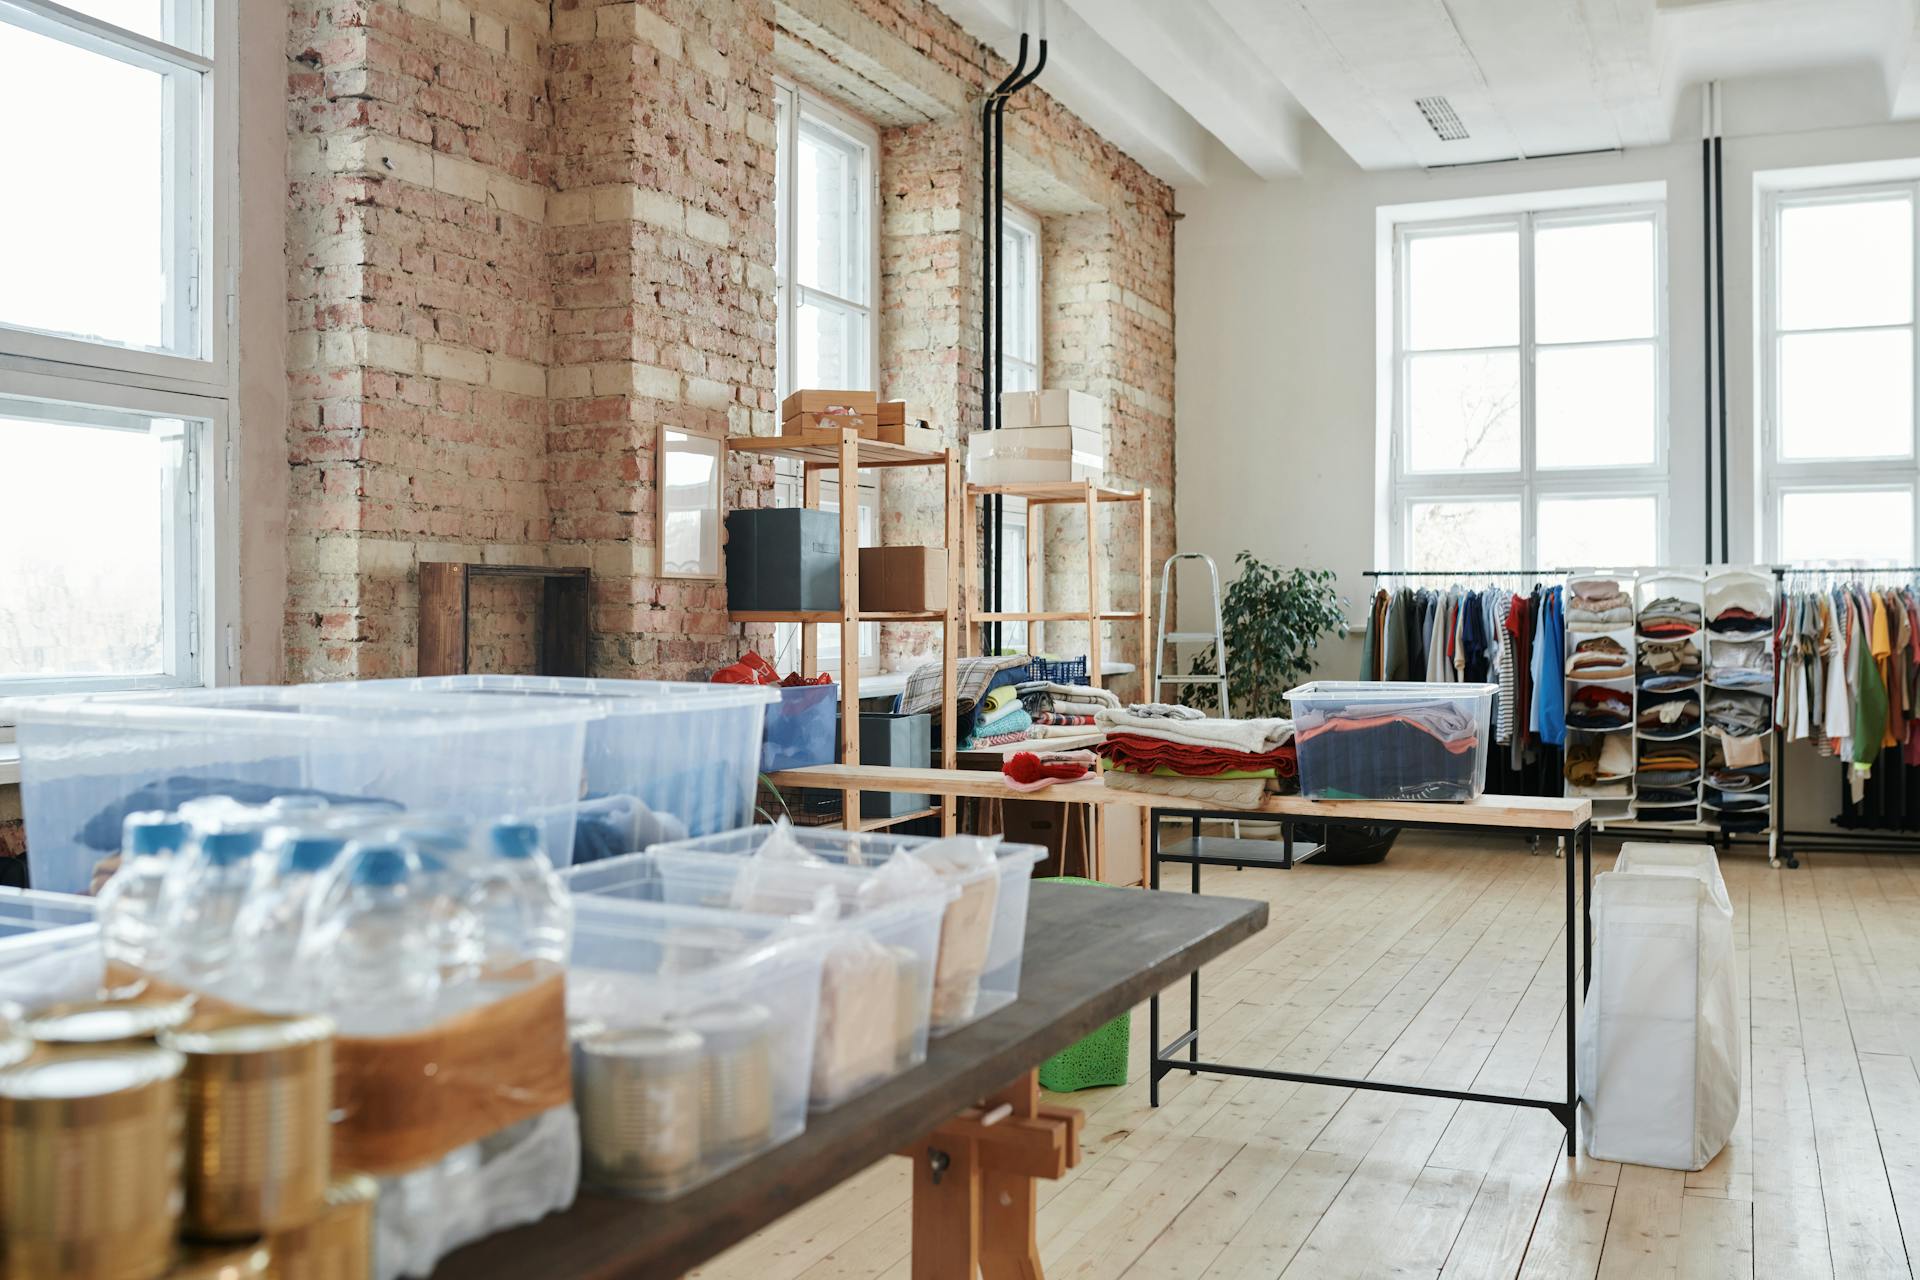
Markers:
114,383
1529,371
1837,375
1020,296
826,208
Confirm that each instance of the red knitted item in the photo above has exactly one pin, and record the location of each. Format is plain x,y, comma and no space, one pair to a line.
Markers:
1025,766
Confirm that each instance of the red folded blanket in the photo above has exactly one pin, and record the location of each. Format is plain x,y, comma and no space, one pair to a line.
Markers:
1143,754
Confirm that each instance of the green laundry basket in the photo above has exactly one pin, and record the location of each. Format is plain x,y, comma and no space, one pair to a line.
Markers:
1099,1059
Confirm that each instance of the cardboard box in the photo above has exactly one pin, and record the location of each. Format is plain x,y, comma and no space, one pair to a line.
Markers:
801,423
920,439
1035,455
895,413
1055,408
811,401
783,560
903,579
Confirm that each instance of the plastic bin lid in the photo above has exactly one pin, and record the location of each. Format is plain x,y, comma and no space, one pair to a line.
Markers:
302,711
703,940
623,695
1395,690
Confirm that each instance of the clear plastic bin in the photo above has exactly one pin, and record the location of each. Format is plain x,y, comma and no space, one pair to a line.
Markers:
663,1111
687,753
49,949
991,907
86,762
1392,740
876,984
802,728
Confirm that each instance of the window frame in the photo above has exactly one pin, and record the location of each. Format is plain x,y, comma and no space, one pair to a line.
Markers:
1028,225
1530,482
201,388
1782,476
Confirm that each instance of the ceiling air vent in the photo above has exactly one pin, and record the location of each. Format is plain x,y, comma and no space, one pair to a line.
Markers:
1441,118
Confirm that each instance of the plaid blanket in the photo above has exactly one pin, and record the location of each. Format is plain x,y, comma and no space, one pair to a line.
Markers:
973,677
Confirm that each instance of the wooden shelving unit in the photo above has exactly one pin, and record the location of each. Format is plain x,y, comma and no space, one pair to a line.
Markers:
843,450
1088,495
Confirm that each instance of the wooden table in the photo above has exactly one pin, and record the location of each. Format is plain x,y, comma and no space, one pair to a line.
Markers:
1092,954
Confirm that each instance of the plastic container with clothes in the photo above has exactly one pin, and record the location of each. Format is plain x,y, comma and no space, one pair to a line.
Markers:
1392,740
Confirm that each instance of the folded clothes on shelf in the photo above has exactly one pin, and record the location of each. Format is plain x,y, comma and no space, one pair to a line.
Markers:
1665,795
1599,707
1618,790
1740,622
1665,813
1739,604
1599,658
1738,750
1668,714
1751,778
1598,605
1739,713
1669,616
1599,758
1669,658
1737,801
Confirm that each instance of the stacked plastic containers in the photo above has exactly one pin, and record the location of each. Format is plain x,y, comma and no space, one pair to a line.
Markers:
663,761
88,762
49,950
1392,740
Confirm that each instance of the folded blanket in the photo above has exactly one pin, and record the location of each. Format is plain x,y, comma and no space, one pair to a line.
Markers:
1011,727
1166,711
1056,717
997,701
974,678
1252,736
1139,752
1078,692
1062,730
1243,793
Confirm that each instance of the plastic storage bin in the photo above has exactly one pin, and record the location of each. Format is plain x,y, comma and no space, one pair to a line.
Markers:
683,755
802,728
876,982
1373,740
49,949
685,1023
86,762
982,936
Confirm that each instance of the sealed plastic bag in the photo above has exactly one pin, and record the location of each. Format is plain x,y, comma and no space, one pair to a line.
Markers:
1659,1034
966,934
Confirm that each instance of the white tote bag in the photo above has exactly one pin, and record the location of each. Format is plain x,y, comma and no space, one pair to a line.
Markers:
1659,1033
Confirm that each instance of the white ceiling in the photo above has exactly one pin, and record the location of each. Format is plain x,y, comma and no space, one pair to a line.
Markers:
1196,89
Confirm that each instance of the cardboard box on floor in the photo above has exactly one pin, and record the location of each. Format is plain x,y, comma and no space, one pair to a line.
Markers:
903,579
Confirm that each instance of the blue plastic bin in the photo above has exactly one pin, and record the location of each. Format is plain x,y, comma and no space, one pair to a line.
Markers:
802,728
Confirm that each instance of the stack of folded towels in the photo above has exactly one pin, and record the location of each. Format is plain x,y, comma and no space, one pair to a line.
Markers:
1064,710
1178,751
999,719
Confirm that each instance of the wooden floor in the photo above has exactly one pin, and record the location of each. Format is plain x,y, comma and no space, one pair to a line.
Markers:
1443,965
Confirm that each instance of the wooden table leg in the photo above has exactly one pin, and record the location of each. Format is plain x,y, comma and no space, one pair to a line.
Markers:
1010,1246
946,1211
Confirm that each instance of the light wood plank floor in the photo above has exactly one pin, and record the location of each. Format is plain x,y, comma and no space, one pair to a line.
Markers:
1443,965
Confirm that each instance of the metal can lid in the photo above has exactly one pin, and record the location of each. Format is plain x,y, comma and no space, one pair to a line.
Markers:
660,1046
222,1264
105,1021
728,1024
352,1189
91,1073
247,1034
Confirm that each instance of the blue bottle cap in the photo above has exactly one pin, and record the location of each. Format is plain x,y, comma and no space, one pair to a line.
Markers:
151,833
515,839
380,864
224,848
310,853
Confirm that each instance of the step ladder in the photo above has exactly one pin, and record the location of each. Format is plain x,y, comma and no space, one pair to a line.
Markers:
1214,637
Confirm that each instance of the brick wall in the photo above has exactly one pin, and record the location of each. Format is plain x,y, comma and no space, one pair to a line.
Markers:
523,239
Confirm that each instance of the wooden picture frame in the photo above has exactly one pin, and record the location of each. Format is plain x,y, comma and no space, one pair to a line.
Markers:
689,472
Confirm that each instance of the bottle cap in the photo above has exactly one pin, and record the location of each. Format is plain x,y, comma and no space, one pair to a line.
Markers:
224,848
380,864
440,839
148,833
310,853
515,839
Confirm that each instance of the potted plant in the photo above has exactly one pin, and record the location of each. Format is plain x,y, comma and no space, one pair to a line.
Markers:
1272,621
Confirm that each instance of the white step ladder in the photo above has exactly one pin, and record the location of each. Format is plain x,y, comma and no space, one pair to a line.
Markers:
1215,637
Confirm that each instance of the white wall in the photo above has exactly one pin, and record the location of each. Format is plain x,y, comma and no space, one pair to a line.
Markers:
1275,324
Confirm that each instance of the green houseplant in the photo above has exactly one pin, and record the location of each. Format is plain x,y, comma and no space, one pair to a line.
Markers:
1272,621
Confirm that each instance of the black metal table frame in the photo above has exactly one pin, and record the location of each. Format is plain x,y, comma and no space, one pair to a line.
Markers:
1165,1059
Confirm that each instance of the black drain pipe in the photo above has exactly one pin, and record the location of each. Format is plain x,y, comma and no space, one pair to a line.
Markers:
1706,312
1720,313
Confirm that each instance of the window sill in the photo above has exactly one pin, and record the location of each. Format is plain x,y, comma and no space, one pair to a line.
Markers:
9,764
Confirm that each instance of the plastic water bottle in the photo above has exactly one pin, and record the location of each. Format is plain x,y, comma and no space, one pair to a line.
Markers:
200,906
129,907
367,944
444,858
275,912
525,913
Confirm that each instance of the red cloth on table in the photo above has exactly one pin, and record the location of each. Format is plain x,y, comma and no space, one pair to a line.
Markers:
1027,768
1143,754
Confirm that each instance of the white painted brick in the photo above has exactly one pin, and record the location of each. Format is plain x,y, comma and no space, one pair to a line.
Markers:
521,377
704,226
573,26
656,208
708,60
391,351
655,382
384,556
458,177
522,199
440,361
612,378
569,208
456,17
574,380
705,393
489,32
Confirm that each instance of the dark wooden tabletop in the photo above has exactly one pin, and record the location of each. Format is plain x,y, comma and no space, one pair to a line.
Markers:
1092,954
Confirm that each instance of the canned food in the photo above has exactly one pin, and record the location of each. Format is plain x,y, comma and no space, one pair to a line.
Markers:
736,1099
256,1093
101,1022
250,1263
89,1164
638,1092
338,1245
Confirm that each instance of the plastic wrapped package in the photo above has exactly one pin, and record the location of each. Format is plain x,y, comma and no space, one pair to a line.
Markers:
49,949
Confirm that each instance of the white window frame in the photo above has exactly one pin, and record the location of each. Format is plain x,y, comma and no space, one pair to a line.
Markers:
1530,482
789,482
1782,476
1027,226
200,388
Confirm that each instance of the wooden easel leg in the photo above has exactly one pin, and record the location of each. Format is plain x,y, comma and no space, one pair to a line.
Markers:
946,1212
1009,1246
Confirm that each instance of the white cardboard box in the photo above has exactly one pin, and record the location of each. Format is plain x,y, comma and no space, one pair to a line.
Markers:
1035,455
1056,408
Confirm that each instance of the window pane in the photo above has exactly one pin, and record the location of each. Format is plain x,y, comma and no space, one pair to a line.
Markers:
1476,533
170,20
1020,256
1593,282
84,216
1463,290
831,346
1597,406
84,518
1463,412
1871,525
1598,531
832,242
1846,395
1846,264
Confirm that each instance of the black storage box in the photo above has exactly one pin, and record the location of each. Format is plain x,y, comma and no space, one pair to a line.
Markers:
783,560
904,742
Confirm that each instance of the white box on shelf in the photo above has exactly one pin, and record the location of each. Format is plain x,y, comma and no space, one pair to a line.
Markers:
1052,408
1035,455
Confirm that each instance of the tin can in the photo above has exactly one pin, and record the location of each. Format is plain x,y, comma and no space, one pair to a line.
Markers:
638,1092
103,1022
252,1262
256,1093
89,1164
338,1245
736,1098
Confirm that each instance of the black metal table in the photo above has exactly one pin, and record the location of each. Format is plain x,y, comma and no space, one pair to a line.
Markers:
1547,818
